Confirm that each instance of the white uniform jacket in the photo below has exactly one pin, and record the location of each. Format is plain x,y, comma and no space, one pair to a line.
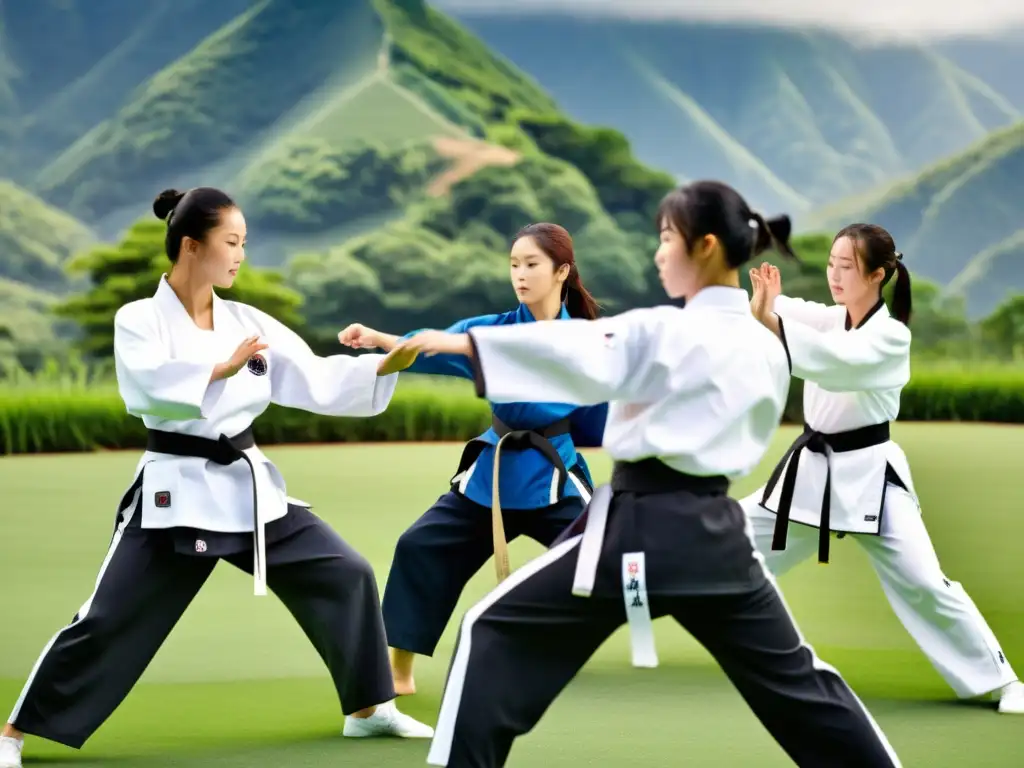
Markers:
852,384
164,362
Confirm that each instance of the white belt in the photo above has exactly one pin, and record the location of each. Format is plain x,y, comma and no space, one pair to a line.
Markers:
634,579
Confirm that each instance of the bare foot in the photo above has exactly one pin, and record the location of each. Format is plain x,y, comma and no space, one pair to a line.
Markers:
405,687
11,732
401,671
364,713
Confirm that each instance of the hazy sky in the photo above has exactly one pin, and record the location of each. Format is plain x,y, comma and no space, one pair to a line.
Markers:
885,18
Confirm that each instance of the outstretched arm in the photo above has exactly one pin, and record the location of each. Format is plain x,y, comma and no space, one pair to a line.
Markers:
580,362
338,385
444,364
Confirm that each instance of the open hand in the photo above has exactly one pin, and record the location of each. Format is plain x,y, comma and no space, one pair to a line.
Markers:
239,357
773,283
359,336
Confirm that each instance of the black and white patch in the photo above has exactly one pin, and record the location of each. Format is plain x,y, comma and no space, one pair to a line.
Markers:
257,365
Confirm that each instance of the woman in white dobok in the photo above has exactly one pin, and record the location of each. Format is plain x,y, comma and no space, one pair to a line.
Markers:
844,474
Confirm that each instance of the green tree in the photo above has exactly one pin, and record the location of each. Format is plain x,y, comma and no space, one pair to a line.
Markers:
132,269
1003,330
624,185
400,278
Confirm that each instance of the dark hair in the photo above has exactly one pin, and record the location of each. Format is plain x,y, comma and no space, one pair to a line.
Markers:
556,242
713,208
189,214
877,250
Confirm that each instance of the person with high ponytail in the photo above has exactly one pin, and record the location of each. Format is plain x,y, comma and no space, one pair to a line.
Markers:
845,475
522,476
697,393
198,370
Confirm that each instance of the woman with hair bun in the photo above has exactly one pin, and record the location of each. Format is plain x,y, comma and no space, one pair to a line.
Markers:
198,370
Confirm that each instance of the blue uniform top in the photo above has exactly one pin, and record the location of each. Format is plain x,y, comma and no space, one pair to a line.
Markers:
528,479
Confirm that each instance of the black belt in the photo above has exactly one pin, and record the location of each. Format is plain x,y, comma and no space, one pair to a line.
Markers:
225,450
655,476
821,443
650,476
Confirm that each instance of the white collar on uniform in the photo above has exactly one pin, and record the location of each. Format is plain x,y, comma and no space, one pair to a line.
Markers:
169,303
721,297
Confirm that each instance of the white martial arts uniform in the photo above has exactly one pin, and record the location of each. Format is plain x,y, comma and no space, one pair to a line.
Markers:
853,379
164,363
204,492
695,396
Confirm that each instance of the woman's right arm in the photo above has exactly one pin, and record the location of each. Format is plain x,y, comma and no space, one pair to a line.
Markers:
439,365
152,383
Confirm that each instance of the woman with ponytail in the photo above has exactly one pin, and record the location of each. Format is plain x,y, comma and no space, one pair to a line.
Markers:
543,482
696,397
845,475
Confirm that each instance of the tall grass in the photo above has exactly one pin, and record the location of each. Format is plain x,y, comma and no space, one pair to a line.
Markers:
77,408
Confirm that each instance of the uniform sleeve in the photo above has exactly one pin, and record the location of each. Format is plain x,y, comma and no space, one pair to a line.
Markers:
449,365
578,362
586,425
152,383
338,385
819,316
871,358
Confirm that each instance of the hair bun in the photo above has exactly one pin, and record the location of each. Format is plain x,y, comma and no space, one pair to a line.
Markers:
166,202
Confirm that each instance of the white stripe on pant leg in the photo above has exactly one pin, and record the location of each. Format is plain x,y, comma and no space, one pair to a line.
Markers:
816,662
584,493
444,731
84,610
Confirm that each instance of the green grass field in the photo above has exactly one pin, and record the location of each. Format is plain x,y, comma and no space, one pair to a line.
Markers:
238,685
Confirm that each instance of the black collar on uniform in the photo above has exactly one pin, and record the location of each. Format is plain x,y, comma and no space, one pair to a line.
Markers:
868,316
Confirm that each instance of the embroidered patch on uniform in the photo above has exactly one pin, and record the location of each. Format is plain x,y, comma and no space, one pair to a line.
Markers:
609,339
633,585
870,518
162,499
200,545
257,365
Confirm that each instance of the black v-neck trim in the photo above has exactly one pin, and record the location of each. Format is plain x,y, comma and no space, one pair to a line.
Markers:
868,316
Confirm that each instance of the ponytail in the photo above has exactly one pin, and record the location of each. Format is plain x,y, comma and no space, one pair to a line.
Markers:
578,301
772,233
901,300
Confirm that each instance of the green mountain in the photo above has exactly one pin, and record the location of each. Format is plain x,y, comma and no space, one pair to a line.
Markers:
36,242
795,118
342,127
384,154
959,222
36,239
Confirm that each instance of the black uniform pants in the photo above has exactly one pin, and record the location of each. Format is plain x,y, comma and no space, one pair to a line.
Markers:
437,556
522,644
144,586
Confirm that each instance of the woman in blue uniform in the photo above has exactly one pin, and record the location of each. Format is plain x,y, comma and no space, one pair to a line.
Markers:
543,482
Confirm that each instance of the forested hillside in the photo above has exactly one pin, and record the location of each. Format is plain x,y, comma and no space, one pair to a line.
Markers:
384,154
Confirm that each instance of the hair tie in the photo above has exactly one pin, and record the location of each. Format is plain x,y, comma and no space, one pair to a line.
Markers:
899,256
753,223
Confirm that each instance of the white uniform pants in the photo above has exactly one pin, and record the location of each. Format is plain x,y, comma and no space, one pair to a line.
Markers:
936,611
